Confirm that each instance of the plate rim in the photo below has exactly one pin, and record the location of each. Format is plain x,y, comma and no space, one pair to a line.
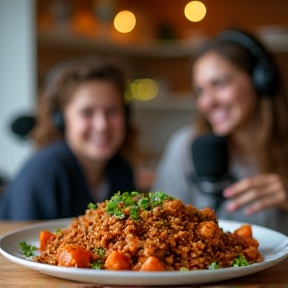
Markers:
93,276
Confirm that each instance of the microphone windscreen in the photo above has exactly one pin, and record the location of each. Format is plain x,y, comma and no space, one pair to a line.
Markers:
210,155
22,125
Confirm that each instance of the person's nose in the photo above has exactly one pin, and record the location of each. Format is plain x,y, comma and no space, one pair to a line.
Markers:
100,121
208,99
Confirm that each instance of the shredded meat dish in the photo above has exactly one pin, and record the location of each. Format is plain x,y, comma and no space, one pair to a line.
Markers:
147,232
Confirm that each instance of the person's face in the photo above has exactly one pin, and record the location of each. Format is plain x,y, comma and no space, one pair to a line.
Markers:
225,94
95,120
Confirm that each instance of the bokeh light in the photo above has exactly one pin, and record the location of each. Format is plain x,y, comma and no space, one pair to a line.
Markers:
142,89
195,11
124,21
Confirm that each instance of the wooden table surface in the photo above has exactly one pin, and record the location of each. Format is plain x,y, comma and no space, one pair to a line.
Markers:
14,275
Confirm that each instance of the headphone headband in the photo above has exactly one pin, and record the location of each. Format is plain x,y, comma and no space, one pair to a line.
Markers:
265,73
245,40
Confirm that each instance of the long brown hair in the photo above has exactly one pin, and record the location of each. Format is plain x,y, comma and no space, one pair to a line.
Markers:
270,135
63,79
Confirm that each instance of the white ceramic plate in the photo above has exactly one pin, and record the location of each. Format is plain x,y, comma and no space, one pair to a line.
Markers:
268,239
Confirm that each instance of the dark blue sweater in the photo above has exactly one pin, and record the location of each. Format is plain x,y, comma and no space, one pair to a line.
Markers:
53,185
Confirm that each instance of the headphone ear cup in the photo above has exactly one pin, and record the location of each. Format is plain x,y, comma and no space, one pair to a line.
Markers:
58,120
265,78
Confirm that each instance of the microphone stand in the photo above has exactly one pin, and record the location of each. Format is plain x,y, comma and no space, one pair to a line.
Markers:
213,187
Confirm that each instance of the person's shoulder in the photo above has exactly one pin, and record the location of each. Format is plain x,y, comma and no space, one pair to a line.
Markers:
181,137
49,157
184,132
54,150
43,167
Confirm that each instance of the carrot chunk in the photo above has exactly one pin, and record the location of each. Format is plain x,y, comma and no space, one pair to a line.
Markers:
44,238
73,256
251,253
244,231
117,261
152,264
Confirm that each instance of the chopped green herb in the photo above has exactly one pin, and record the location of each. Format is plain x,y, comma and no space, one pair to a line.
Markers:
112,206
100,252
240,261
158,198
58,230
143,203
134,212
120,204
119,214
127,198
213,266
26,249
92,206
184,269
98,264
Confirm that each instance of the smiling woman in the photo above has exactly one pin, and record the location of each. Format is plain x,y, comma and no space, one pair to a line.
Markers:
82,128
219,88
239,97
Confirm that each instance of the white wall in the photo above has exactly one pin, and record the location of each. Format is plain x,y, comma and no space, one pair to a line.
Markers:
17,77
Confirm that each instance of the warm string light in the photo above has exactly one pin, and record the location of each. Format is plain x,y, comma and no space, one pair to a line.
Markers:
124,21
195,11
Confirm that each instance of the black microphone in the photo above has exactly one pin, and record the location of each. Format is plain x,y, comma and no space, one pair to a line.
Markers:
211,161
22,125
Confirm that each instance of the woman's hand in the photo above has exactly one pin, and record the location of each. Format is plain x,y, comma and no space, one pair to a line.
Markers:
257,193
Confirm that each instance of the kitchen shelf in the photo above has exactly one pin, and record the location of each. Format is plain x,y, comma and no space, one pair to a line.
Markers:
167,102
174,49
276,43
76,42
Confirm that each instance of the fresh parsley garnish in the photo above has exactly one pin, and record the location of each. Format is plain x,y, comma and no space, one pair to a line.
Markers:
98,264
92,206
100,252
158,198
214,266
134,212
129,204
184,269
26,249
119,214
143,203
240,261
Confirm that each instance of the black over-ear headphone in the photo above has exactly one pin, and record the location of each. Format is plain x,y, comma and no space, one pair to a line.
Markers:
53,76
57,116
265,73
58,120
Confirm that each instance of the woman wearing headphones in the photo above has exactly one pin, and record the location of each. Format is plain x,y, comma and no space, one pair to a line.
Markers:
238,96
82,128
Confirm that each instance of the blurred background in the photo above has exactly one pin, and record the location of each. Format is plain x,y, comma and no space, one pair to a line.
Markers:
155,39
